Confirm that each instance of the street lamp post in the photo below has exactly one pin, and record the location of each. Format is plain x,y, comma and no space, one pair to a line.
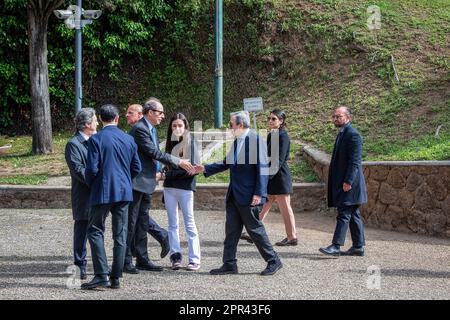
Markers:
72,19
218,71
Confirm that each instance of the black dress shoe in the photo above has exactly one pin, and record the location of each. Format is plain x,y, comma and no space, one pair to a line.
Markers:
115,283
333,250
285,242
165,248
272,268
246,237
225,269
148,266
83,274
130,268
97,282
354,251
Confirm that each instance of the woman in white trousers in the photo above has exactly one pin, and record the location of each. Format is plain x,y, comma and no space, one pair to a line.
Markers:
179,188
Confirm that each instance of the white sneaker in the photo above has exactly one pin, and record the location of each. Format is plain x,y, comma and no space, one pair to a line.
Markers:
193,266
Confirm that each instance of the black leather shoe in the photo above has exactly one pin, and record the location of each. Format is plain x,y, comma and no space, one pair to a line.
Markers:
333,250
83,274
130,268
285,242
165,248
272,268
246,237
225,269
97,282
353,251
115,283
149,266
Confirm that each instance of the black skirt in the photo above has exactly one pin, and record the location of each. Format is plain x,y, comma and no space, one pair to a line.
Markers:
281,183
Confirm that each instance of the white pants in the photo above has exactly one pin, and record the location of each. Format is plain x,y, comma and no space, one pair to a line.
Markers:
173,197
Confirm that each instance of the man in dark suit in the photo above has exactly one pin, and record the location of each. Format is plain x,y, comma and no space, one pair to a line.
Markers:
346,186
247,192
134,114
146,138
112,163
75,154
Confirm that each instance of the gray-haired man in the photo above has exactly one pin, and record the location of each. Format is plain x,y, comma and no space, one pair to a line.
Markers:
247,192
75,154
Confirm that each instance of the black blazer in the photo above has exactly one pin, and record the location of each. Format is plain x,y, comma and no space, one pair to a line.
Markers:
346,166
76,154
148,154
280,179
179,178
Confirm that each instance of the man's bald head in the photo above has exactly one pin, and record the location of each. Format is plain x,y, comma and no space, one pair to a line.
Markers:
341,116
134,114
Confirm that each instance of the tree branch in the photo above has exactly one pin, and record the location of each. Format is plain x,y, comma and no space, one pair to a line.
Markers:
52,5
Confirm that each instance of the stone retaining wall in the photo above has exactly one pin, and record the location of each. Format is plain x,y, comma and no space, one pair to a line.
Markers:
412,196
306,197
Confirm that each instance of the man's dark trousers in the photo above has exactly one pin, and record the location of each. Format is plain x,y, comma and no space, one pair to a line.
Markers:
239,216
160,234
138,226
349,216
79,242
97,216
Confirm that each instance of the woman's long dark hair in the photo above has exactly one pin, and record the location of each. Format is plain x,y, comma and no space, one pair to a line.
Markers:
170,142
281,116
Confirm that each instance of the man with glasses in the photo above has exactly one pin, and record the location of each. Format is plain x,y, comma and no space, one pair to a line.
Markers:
346,186
247,192
146,138
133,115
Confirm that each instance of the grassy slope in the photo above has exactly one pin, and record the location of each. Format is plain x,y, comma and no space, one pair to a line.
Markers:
397,120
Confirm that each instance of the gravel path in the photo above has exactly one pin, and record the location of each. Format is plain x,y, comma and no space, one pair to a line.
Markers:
35,254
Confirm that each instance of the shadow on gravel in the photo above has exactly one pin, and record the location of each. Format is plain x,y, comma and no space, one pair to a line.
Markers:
11,285
34,270
35,258
411,273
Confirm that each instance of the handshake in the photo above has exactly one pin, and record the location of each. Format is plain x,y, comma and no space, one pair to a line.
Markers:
191,169
186,165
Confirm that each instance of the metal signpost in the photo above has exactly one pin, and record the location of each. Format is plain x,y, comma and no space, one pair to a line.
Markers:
253,105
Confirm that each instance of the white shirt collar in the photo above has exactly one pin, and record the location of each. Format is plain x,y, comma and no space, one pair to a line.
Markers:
242,136
85,136
148,124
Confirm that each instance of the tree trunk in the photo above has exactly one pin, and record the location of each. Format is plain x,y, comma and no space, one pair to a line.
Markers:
40,99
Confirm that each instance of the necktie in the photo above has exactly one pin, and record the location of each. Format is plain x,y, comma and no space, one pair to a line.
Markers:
235,146
155,141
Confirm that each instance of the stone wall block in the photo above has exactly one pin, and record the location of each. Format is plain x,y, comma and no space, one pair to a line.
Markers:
436,183
387,194
413,182
379,173
396,178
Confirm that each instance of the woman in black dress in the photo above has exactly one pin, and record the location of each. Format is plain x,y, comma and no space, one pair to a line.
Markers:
279,188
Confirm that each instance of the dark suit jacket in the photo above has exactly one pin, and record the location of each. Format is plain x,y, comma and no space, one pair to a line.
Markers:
249,176
280,180
148,154
112,162
75,154
345,166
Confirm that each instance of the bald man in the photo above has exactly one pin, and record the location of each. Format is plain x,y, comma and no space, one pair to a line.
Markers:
346,186
134,114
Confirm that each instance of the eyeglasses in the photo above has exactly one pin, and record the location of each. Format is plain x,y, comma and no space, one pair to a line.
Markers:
337,117
159,112
272,118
